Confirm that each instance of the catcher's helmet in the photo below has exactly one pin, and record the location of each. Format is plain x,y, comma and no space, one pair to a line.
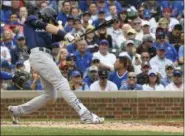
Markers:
48,15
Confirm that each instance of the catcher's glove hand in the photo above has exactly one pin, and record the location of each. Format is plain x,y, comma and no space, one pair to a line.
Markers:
20,78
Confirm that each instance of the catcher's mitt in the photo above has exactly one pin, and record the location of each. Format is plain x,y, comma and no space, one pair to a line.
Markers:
20,78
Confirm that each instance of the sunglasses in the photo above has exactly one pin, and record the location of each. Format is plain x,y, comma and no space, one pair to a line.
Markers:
132,77
103,77
177,75
169,68
137,23
96,61
145,57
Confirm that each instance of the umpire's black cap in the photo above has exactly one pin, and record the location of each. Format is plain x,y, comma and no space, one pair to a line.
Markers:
103,73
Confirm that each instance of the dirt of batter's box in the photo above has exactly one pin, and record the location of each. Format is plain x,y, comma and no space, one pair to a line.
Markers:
108,125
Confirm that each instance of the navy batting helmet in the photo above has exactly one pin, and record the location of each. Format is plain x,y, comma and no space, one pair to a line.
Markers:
48,15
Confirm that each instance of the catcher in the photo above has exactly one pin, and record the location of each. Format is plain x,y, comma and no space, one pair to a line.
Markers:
19,78
40,33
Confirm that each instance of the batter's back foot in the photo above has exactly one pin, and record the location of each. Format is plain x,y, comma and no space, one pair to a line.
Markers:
14,118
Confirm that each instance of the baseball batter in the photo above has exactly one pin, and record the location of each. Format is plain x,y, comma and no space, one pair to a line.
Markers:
40,33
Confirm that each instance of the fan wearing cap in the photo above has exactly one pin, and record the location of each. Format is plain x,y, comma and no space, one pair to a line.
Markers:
143,76
123,17
86,16
130,35
76,82
131,83
103,84
22,48
169,75
92,75
20,66
77,26
153,82
171,52
137,26
172,21
100,19
147,46
107,59
101,5
177,83
160,60
146,29
69,24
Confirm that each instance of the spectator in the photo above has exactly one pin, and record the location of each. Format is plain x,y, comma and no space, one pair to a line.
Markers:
107,59
86,19
163,23
34,82
100,19
15,5
93,11
177,83
22,48
5,54
75,12
77,26
159,61
103,35
147,46
64,12
147,15
131,53
146,29
44,4
91,40
71,63
169,75
103,84
64,69
123,17
8,42
120,75
83,58
61,57
101,5
92,75
131,83
141,11
125,29
172,21
137,25
116,33
76,82
143,76
23,14
69,24
171,53
131,35
115,3
113,12
174,37
153,83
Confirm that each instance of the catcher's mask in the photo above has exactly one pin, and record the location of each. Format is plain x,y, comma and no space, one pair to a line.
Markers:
48,15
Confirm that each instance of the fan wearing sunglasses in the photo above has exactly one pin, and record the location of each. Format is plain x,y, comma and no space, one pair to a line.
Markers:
131,83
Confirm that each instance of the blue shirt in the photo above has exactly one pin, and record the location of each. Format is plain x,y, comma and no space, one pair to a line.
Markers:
62,17
171,52
88,81
181,51
128,87
71,48
118,80
83,62
38,84
5,75
165,81
117,4
36,36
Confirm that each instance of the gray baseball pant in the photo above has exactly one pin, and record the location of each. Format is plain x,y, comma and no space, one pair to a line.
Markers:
52,82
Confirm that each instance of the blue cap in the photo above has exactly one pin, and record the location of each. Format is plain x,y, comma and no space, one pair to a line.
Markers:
147,13
101,12
160,47
19,64
20,36
177,72
104,42
75,73
70,17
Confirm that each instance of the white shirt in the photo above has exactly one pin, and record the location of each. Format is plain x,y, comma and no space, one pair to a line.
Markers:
5,54
139,35
173,87
173,22
159,64
107,60
115,34
153,25
109,87
158,87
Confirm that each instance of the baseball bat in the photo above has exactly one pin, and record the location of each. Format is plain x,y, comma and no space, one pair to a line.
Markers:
104,24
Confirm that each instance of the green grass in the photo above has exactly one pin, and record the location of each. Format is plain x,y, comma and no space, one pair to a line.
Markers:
61,131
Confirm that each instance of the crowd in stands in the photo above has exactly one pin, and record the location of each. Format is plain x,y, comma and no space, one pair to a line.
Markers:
142,50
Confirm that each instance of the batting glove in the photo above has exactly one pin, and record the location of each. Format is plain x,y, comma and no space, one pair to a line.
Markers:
69,37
